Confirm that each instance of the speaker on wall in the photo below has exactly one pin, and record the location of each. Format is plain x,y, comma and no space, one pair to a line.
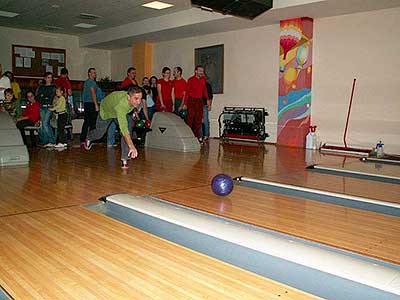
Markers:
242,8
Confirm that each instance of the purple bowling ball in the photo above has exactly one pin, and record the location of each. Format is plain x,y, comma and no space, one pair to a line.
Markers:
222,184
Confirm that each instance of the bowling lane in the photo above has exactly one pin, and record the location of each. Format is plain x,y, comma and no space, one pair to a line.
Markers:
364,232
62,254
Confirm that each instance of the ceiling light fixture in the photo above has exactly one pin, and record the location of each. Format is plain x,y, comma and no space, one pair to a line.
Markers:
8,14
85,25
157,5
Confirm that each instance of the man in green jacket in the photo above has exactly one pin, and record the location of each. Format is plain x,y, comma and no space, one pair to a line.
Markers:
116,106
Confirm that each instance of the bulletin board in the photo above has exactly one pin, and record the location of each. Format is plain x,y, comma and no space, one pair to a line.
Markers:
29,61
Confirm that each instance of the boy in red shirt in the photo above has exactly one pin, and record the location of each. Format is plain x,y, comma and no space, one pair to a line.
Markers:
130,78
178,89
63,82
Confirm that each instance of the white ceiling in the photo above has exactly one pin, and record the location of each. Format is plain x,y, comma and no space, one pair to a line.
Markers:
123,22
37,14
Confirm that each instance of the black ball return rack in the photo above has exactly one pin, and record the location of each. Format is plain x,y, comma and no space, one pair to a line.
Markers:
243,123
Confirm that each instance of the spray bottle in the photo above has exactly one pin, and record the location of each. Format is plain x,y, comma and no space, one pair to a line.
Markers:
311,138
379,149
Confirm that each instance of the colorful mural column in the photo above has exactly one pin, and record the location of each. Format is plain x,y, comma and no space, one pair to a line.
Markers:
295,70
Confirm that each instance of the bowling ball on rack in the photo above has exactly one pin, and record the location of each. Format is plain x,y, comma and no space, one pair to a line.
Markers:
183,113
140,124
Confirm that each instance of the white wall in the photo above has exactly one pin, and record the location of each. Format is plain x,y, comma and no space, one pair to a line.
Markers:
250,59
363,45
78,59
121,60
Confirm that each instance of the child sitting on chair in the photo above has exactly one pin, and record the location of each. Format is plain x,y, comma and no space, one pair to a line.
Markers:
58,108
8,104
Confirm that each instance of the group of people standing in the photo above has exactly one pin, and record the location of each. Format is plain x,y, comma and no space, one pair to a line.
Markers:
177,95
195,95
163,95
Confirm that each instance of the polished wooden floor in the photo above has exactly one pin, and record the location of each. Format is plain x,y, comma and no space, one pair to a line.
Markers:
43,228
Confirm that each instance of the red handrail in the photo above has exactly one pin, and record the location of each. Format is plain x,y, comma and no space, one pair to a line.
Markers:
348,113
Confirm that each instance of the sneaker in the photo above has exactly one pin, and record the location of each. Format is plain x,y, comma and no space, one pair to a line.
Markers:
87,144
124,164
49,145
59,145
205,139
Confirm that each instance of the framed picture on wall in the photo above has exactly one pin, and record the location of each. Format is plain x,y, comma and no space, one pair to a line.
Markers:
212,59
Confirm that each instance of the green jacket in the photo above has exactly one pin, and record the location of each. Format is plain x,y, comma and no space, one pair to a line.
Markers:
116,106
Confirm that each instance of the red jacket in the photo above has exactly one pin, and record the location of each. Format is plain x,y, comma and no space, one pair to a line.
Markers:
127,82
196,88
64,83
32,111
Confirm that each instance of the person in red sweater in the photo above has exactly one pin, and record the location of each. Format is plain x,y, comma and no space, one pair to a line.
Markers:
30,116
195,91
164,89
179,89
130,78
63,82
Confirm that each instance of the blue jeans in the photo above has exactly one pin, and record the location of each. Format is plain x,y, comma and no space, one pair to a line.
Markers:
46,134
130,123
111,132
178,102
151,111
206,122
100,130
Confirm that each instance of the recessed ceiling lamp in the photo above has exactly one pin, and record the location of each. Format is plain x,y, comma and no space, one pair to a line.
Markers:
8,14
157,5
85,25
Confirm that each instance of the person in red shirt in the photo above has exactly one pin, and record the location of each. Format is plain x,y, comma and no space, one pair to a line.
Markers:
164,89
130,79
63,82
179,89
30,116
195,91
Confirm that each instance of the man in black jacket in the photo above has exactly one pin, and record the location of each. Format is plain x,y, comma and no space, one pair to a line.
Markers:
206,109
